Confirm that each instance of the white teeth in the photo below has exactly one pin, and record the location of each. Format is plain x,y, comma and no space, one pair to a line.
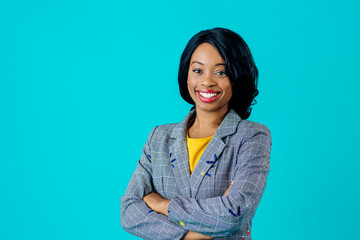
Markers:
207,95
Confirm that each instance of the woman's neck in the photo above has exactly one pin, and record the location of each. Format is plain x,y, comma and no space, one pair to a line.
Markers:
206,123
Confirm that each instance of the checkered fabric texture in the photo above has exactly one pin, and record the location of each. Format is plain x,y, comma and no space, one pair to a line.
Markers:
239,150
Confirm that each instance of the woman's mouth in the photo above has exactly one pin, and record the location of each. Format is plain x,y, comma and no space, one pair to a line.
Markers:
207,96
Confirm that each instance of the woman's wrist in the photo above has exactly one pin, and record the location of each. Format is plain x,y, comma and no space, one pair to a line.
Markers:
157,203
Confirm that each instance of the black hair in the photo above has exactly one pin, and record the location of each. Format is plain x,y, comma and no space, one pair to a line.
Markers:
239,66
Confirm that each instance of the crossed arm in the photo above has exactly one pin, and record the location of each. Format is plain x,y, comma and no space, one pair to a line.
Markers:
160,205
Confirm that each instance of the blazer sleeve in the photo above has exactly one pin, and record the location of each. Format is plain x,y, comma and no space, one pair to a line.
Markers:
224,215
136,217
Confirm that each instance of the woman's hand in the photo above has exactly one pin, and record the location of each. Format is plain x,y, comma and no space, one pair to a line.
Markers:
157,203
195,236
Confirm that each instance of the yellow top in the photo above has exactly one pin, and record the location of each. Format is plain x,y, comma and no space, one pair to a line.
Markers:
196,147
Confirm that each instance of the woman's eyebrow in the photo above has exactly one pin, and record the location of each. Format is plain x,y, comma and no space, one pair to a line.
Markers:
197,62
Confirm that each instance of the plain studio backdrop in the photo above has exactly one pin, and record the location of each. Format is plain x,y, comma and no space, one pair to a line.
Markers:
82,83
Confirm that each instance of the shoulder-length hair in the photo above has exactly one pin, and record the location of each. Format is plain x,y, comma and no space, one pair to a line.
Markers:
239,66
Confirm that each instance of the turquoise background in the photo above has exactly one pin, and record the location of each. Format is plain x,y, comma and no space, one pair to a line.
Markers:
82,83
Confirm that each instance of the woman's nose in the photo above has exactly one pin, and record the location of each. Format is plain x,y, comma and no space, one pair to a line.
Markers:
207,81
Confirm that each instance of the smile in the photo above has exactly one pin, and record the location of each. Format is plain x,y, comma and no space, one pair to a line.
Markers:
207,96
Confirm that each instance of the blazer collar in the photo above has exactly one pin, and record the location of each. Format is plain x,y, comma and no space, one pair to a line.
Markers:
227,127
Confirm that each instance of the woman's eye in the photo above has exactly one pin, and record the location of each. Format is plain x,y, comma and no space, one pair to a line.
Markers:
196,70
221,73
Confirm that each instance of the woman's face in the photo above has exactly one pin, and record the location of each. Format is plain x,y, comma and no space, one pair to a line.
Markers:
208,84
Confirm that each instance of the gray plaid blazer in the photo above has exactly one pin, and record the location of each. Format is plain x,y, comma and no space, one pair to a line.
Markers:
239,151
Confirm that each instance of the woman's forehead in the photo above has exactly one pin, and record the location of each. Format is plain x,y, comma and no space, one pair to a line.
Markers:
206,53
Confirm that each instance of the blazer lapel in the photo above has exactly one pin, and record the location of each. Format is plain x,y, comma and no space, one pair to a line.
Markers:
213,150
206,161
179,156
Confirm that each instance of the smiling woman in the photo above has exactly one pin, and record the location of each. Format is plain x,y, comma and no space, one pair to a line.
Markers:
208,84
203,178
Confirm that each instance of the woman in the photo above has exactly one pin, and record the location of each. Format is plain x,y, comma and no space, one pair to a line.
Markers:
203,178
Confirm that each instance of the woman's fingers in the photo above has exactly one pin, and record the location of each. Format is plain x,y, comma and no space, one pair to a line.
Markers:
227,190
